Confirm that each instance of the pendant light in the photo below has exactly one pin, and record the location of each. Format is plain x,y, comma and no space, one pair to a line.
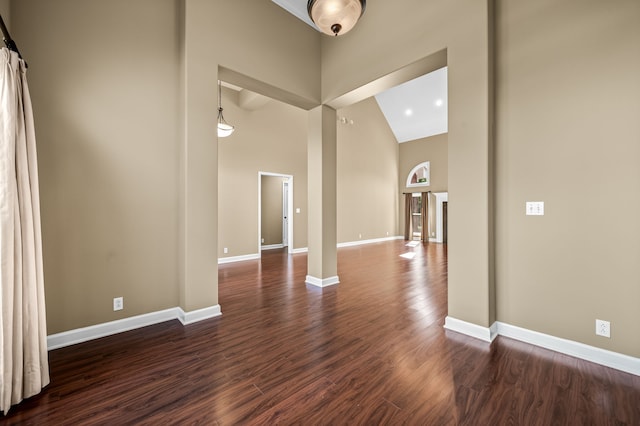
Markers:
224,129
335,17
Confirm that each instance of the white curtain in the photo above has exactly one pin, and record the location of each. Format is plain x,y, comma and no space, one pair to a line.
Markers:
24,366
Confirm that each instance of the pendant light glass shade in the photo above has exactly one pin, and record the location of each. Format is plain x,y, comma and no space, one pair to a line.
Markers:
224,129
334,17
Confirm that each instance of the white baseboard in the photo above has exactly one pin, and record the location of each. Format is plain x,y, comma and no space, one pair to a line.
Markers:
371,241
320,282
483,333
222,260
569,347
232,259
190,317
579,350
84,334
272,247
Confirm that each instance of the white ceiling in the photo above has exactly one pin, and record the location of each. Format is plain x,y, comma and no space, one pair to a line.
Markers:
297,8
418,108
414,110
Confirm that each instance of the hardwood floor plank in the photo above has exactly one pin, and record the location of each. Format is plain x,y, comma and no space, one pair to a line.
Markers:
371,350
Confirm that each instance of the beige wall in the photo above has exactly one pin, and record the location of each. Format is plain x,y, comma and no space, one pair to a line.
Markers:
420,30
124,101
568,134
272,139
433,149
128,153
105,104
5,11
271,210
367,174
253,39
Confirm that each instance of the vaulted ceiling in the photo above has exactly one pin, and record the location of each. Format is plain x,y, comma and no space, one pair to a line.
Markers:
415,109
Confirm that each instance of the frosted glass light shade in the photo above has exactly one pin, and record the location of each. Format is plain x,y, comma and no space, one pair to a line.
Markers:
334,17
225,130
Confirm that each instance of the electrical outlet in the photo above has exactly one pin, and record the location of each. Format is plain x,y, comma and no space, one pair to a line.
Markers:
360,236
118,303
263,241
226,250
603,328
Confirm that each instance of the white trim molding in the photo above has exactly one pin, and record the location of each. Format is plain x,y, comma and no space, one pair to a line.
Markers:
483,333
255,256
191,317
615,360
84,334
593,354
320,282
271,246
232,259
440,198
371,241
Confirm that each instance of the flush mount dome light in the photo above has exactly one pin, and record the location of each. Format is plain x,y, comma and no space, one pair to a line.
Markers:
335,17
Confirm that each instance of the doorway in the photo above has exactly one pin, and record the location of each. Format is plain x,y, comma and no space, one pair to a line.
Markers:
275,216
442,199
285,212
444,221
417,204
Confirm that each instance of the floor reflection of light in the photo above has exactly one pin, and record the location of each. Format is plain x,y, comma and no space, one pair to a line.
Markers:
409,255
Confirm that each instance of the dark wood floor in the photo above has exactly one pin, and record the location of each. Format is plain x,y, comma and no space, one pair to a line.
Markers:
371,350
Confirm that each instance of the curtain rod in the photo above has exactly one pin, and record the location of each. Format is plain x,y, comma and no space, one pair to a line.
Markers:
6,37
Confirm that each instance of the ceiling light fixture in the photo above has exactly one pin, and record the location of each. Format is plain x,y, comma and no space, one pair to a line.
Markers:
335,17
224,129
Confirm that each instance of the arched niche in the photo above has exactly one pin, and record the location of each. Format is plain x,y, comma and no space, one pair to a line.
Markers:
420,175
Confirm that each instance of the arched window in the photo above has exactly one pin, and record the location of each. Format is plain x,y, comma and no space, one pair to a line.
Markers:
420,175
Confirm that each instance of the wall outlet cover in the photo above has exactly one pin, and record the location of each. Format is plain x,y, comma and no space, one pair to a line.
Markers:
603,328
118,303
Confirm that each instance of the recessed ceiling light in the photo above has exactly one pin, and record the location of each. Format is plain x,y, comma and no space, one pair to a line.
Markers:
439,102
408,112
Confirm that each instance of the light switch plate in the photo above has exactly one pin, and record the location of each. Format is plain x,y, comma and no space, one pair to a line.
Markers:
535,208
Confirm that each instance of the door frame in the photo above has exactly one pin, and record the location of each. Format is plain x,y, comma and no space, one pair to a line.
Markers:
285,212
289,213
440,198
